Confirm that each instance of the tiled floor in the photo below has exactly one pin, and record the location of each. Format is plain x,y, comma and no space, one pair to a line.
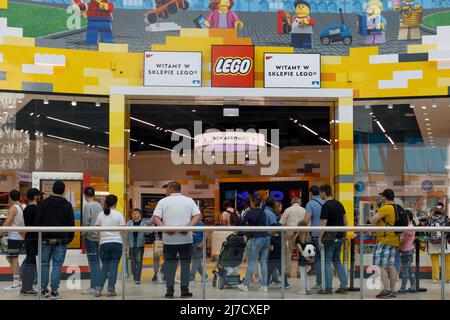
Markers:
152,290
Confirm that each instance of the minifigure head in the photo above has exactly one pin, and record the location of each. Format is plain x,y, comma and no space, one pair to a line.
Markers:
302,8
374,7
216,4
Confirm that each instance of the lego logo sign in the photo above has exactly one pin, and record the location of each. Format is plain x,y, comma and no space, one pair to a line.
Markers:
232,66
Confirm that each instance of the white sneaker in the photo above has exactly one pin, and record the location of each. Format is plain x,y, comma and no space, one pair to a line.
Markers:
243,287
88,292
14,287
160,278
263,289
302,292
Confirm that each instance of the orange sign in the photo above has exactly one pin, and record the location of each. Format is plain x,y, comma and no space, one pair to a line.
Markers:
232,66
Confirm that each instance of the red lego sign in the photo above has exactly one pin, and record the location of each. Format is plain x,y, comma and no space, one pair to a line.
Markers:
232,66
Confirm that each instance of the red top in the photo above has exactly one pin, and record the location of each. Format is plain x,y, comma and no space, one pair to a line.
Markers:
93,9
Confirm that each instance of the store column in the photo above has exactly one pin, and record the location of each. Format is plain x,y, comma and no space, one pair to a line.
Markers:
118,149
342,142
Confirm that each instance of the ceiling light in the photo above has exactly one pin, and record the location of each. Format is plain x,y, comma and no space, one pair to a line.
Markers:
424,107
68,122
390,139
164,148
231,112
143,122
371,113
106,132
411,106
97,103
64,139
180,134
390,106
381,127
142,143
38,116
427,119
310,130
74,103
74,149
31,114
433,103
193,110
45,100
105,148
295,121
367,106
134,140
429,133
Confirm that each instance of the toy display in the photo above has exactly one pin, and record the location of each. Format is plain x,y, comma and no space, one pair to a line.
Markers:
99,15
164,8
336,33
221,15
302,26
410,20
372,25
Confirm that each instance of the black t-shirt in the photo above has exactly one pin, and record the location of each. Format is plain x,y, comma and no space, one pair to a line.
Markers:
275,254
333,211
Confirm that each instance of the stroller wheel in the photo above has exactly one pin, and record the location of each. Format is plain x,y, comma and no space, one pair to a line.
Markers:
214,280
221,283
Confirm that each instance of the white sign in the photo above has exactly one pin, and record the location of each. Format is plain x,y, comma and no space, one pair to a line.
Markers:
173,69
228,140
291,70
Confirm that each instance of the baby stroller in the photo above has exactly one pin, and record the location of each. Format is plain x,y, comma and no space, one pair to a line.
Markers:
230,258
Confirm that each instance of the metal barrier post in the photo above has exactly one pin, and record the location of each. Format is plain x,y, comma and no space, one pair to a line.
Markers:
283,264
443,247
361,265
322,266
124,264
39,271
418,288
203,266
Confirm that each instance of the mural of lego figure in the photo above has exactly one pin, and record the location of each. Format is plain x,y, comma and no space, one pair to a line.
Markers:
410,20
99,15
221,15
302,26
376,23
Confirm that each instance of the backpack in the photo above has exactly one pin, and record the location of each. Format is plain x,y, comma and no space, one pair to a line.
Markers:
436,221
401,218
235,220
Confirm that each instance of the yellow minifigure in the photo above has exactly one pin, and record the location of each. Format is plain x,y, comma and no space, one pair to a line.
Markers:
302,26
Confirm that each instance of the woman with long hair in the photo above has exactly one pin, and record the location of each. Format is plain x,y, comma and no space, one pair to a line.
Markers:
111,243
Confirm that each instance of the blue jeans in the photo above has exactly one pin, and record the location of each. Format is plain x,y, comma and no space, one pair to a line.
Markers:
317,262
110,254
136,255
258,249
93,261
56,253
99,26
333,256
406,259
398,262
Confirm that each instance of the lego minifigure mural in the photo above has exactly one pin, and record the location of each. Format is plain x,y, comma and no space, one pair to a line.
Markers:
99,15
302,25
410,20
372,25
221,15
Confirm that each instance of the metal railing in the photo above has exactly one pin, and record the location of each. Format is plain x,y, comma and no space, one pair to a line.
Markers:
282,229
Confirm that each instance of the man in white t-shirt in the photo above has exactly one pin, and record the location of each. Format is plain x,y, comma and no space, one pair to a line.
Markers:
177,210
290,218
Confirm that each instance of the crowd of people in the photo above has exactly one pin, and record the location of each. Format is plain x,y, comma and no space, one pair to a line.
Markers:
393,251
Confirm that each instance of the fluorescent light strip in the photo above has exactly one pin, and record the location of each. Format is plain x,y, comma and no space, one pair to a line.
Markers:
134,140
390,139
271,144
156,146
310,130
381,127
180,134
69,123
325,140
105,148
142,121
65,139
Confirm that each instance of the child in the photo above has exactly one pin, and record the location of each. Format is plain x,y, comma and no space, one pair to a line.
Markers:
301,241
197,250
274,262
406,250
136,243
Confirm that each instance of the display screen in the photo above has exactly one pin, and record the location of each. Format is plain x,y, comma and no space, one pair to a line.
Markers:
282,191
148,204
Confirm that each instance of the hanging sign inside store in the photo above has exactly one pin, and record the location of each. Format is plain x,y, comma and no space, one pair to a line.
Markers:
291,70
232,66
172,69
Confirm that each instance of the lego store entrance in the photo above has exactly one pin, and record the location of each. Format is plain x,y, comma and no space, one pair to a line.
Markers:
281,145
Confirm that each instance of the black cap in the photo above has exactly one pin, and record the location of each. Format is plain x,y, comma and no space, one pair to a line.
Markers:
59,187
388,193
89,192
33,192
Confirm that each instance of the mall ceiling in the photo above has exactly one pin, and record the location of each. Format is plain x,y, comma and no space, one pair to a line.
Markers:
88,123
